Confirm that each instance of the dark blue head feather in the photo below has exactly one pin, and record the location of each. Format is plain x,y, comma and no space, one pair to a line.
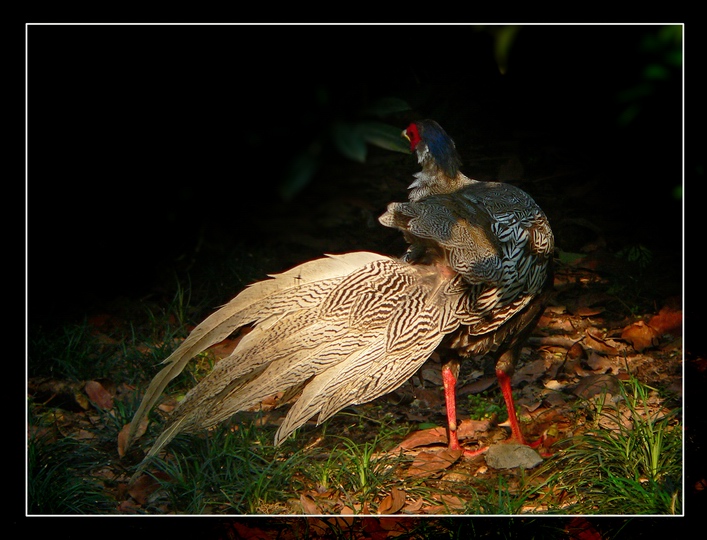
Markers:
440,145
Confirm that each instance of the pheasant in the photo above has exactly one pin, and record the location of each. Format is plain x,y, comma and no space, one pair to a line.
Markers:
346,329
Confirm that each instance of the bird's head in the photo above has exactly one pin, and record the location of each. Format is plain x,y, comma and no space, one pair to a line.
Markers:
433,146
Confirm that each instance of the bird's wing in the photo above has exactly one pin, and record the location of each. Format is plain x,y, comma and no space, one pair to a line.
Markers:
362,338
264,301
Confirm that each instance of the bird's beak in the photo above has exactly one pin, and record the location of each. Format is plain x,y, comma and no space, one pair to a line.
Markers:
405,134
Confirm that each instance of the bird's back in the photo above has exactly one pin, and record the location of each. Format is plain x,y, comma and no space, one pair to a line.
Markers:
493,235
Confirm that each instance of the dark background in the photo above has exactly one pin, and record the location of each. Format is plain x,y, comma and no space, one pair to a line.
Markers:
149,146
143,140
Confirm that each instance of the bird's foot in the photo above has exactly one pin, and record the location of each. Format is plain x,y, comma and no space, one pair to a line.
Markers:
474,453
454,445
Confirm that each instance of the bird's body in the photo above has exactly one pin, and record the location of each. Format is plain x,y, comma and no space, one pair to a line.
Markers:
346,329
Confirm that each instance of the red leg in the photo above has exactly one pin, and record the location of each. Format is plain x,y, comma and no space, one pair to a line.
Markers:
450,399
504,381
449,379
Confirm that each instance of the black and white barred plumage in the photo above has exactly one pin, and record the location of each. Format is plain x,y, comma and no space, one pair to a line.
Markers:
349,328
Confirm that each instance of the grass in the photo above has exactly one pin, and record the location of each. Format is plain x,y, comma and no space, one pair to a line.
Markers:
228,471
627,462
630,463
60,477
486,405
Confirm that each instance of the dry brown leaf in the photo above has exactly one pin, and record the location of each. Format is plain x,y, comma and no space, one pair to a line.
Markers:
592,385
598,362
477,387
469,429
530,372
430,397
594,341
343,522
424,437
450,502
168,405
123,435
309,505
225,347
428,463
588,311
432,375
414,507
318,527
667,321
129,507
142,488
580,528
640,336
55,393
576,352
393,502
100,397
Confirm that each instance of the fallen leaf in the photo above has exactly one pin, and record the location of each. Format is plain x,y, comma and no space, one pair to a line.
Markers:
640,336
341,522
530,372
309,505
588,311
599,363
428,463
372,529
123,435
594,341
393,502
576,352
668,321
100,397
414,507
430,398
318,527
450,502
432,375
469,429
477,386
225,348
129,507
142,488
168,405
55,393
425,437
592,385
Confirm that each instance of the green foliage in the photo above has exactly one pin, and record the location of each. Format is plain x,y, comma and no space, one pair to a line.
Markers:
350,137
661,51
59,477
632,467
75,351
638,254
485,405
232,470
70,352
358,471
504,37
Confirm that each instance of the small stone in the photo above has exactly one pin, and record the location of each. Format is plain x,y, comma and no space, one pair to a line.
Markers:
512,455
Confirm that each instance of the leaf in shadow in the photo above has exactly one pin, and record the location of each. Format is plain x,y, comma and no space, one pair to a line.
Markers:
428,463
